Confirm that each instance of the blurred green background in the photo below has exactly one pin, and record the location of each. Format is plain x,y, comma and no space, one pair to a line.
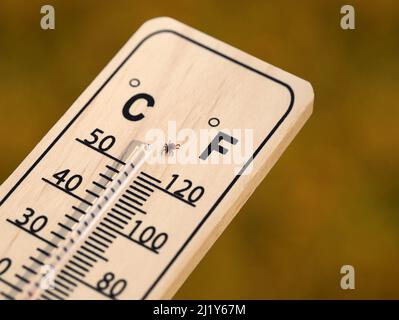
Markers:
333,197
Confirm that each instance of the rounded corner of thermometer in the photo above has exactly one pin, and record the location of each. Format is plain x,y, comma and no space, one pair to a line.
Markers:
289,89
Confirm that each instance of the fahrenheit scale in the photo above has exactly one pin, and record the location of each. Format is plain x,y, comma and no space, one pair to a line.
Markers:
131,187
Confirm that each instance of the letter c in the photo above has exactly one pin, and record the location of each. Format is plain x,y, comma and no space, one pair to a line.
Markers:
126,108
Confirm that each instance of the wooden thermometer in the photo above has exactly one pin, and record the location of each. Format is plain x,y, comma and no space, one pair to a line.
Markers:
130,188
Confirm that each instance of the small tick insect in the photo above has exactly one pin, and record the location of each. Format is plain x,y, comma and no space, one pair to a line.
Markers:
170,147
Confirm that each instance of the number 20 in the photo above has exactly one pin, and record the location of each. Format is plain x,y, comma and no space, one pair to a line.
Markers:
5,264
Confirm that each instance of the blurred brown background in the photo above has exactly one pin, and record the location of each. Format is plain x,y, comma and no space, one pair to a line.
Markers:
333,197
